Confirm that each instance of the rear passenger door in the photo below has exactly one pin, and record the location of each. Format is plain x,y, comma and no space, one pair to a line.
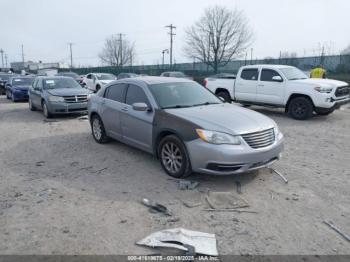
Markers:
137,125
270,91
246,85
111,107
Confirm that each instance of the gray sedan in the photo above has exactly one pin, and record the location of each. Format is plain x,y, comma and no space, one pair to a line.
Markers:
184,125
57,95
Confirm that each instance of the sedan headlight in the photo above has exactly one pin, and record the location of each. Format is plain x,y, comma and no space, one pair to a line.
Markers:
323,89
276,131
218,138
56,99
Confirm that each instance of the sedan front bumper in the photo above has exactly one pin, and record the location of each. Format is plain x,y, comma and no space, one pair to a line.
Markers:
231,159
66,108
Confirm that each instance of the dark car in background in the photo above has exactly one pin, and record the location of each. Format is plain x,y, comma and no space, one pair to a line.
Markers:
126,75
57,95
73,75
17,88
176,74
4,77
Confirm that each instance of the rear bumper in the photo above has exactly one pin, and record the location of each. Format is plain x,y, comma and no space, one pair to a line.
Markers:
67,108
231,159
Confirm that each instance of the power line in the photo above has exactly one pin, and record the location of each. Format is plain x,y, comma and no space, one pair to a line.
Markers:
171,27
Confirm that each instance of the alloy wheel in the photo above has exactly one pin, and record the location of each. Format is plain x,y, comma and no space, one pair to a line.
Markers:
171,157
97,129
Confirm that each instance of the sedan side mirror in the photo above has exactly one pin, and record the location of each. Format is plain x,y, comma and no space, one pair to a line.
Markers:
277,79
140,107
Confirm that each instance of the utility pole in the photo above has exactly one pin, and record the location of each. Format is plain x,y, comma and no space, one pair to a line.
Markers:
5,60
163,53
171,27
251,56
2,57
120,40
23,55
71,54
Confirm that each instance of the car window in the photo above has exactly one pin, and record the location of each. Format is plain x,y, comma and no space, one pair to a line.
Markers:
88,76
166,74
39,84
250,74
116,92
135,94
268,74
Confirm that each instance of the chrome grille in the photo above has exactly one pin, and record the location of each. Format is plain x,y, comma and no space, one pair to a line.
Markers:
260,139
75,99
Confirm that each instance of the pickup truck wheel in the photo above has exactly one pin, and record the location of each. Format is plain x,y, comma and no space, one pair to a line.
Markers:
324,112
173,157
300,108
225,96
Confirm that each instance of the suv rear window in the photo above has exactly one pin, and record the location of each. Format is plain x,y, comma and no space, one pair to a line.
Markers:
250,74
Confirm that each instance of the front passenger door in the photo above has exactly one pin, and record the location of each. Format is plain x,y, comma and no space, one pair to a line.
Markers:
137,126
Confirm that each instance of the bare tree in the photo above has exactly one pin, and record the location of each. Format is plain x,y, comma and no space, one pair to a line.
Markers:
219,36
117,51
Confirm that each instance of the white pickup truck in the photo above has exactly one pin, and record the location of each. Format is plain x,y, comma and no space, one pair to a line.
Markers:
281,86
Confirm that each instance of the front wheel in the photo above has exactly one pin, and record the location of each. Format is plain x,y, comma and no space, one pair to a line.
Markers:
173,157
224,95
300,108
98,130
8,94
31,106
46,111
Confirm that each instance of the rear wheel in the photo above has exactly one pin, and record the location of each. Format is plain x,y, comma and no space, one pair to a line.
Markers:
31,106
46,111
225,95
98,87
300,108
98,130
173,157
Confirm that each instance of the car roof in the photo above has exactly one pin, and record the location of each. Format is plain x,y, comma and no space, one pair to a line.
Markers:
54,77
267,66
150,80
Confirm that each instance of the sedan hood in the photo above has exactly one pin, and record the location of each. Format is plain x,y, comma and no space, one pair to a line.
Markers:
226,118
68,91
321,82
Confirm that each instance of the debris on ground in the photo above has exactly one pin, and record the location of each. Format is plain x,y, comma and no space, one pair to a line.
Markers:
203,243
50,120
278,173
40,163
191,204
156,207
230,210
173,219
332,226
225,200
187,184
238,187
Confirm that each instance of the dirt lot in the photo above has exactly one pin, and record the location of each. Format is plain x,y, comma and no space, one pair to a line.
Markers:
62,193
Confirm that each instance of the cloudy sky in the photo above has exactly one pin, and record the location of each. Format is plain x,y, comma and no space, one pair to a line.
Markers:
45,27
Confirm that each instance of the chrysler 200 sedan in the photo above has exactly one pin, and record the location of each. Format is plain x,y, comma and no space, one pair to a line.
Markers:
184,125
57,95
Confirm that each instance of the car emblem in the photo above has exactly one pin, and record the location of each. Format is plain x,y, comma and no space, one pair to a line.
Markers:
76,99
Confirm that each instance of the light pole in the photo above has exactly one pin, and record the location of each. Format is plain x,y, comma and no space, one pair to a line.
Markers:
163,52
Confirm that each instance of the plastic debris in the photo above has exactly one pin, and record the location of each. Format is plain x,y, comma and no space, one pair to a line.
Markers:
179,238
156,207
278,173
225,200
187,184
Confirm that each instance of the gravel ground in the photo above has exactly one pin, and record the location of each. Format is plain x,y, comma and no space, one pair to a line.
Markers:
62,193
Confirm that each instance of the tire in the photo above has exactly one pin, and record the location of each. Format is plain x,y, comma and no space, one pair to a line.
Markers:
31,106
46,112
173,157
225,95
300,108
98,87
13,98
98,131
324,112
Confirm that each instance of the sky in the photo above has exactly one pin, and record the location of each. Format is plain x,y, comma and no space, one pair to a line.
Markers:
45,27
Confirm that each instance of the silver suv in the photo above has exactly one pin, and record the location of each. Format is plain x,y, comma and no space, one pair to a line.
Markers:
184,125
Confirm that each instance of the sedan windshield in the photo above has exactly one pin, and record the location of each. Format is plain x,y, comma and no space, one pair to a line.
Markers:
292,73
55,83
22,81
106,77
177,95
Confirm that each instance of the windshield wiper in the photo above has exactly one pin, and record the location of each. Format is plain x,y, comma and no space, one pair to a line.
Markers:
176,106
206,103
